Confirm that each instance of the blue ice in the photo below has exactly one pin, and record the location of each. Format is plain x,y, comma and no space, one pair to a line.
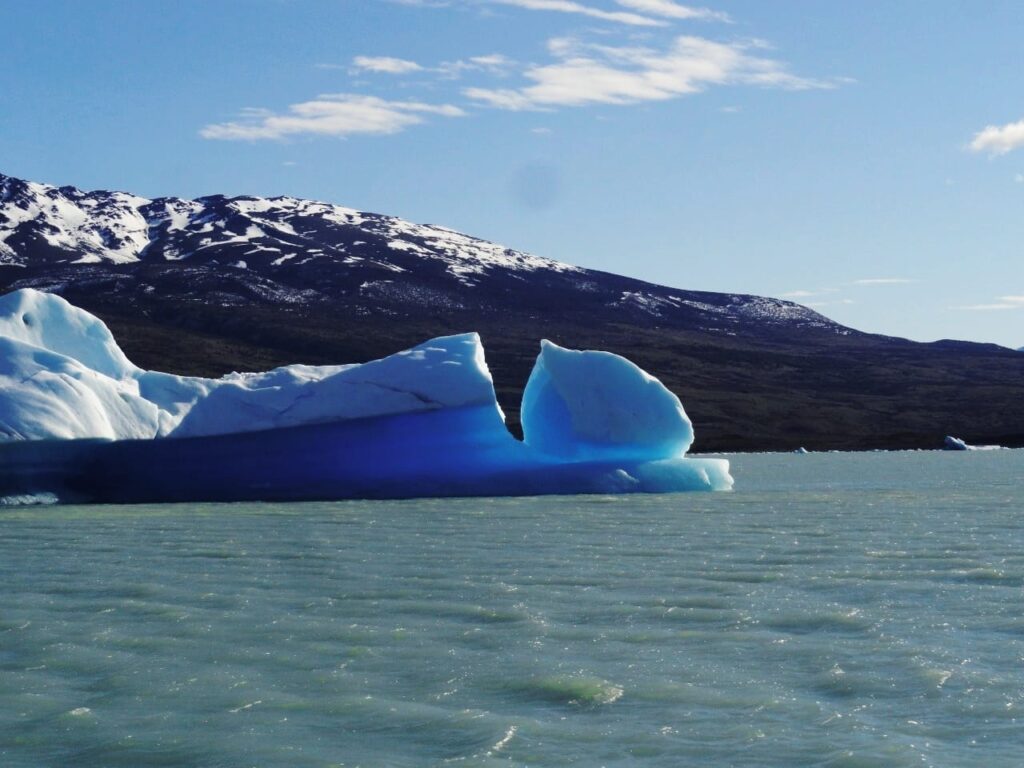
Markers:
78,421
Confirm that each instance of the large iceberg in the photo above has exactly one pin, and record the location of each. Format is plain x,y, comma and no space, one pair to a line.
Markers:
79,422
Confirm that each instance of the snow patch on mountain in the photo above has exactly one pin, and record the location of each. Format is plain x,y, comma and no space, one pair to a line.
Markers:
293,250
73,226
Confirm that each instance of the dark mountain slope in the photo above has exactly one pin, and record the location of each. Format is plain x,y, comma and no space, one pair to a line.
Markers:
219,284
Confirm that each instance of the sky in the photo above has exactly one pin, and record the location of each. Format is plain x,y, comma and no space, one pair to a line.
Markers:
865,159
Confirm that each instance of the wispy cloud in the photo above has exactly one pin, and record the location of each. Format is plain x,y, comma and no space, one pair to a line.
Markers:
492,63
830,293
570,6
996,306
673,10
600,74
819,304
818,295
639,12
999,139
577,73
386,64
884,281
338,115
1001,303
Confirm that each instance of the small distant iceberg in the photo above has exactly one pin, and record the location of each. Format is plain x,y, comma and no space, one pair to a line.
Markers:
80,423
956,444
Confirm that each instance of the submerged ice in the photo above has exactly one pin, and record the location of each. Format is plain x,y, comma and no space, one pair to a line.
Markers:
79,420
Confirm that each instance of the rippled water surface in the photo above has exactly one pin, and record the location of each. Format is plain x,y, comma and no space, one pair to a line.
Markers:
836,610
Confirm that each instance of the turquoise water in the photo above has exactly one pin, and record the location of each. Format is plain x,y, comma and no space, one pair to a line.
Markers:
835,610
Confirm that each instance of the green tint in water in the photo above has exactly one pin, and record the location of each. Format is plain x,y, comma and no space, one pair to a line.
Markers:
836,610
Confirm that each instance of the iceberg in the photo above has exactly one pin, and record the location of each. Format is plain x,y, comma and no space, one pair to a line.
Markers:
956,444
80,423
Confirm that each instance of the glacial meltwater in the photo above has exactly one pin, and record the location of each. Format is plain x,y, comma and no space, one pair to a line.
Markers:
834,610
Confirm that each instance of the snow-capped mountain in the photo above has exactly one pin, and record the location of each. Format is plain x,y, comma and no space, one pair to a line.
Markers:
217,284
300,251
39,222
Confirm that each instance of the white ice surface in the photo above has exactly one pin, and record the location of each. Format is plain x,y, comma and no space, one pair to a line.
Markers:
63,376
956,444
48,322
47,395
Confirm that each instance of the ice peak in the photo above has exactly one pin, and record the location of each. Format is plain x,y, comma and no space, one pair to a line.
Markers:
586,404
49,322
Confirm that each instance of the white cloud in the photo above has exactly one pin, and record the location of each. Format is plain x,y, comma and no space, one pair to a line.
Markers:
504,98
988,307
598,74
570,6
493,63
884,281
385,64
999,139
639,12
837,303
673,10
1001,303
340,114
579,73
821,292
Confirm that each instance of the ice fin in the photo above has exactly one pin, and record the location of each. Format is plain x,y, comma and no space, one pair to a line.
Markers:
598,405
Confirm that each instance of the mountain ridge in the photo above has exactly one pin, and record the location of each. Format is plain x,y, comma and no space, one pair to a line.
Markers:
207,285
44,224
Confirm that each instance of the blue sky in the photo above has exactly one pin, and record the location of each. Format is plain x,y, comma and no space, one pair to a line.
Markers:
866,159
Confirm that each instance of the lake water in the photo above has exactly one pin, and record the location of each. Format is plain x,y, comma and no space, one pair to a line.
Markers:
835,610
